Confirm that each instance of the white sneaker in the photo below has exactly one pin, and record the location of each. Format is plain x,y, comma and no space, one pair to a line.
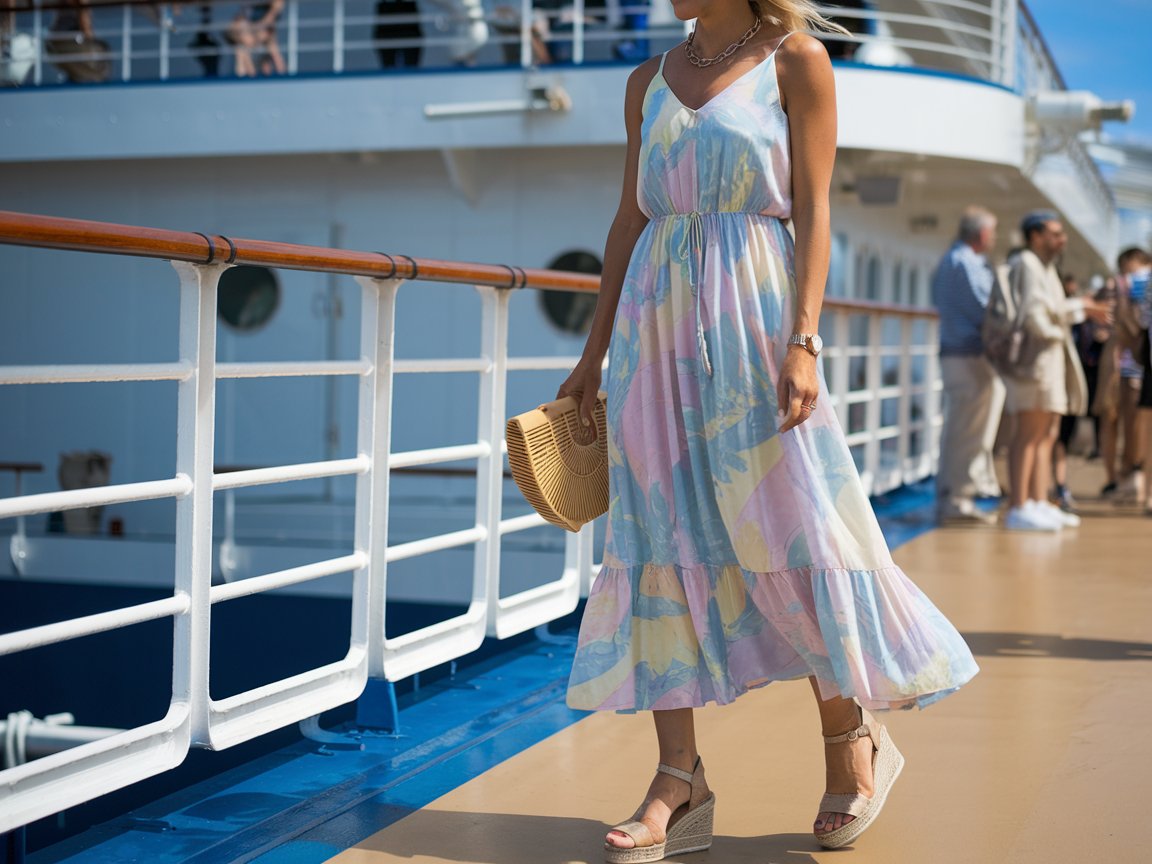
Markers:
1026,518
1066,519
1043,510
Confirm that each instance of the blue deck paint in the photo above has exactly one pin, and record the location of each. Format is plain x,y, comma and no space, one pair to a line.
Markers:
308,802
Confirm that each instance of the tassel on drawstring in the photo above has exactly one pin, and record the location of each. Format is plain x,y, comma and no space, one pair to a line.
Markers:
695,254
703,345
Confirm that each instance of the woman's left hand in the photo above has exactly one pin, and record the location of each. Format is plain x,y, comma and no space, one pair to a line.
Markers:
797,389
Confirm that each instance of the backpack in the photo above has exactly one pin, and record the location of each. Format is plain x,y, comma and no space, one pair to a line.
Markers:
1007,343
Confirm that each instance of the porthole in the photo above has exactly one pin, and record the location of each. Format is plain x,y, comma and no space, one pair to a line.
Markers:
572,311
247,297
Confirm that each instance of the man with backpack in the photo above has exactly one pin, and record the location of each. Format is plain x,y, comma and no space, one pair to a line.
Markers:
973,391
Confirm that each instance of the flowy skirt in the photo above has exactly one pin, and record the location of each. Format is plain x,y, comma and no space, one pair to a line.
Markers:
735,555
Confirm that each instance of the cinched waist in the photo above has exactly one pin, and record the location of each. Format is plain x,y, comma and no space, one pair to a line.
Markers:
692,214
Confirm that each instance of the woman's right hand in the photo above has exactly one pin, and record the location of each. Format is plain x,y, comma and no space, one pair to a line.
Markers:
583,385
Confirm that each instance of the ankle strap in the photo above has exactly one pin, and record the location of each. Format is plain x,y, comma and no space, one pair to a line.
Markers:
686,776
860,731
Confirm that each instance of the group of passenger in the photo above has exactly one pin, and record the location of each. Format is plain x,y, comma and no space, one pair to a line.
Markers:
1024,353
398,34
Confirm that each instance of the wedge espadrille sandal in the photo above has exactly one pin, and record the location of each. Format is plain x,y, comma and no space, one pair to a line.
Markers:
886,765
689,829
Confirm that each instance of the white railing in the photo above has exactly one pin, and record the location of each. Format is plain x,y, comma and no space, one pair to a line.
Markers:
36,789
882,379
971,37
881,365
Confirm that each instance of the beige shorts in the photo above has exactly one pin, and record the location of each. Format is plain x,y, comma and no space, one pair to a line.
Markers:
1025,395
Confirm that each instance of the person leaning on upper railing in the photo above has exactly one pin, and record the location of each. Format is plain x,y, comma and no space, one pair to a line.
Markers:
469,29
17,50
253,31
73,47
162,18
973,391
1047,381
396,20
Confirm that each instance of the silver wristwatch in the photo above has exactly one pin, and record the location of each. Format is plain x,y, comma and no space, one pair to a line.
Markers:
810,342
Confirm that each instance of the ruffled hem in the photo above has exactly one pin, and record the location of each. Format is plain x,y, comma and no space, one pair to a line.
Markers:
657,637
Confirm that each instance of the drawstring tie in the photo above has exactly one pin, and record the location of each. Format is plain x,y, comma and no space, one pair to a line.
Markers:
692,249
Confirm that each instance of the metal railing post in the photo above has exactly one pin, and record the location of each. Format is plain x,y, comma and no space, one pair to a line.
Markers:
165,14
874,379
293,59
904,410
374,440
578,33
338,36
839,383
933,407
490,433
525,33
126,44
41,47
195,431
1009,38
18,547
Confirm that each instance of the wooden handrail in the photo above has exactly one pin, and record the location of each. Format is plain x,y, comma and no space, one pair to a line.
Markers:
26,229
81,235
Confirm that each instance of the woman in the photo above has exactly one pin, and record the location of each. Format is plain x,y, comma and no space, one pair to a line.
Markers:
740,536
254,30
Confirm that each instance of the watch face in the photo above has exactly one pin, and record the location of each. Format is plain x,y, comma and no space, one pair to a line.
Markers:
816,343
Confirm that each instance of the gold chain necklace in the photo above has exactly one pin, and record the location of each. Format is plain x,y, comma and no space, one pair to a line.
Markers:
701,62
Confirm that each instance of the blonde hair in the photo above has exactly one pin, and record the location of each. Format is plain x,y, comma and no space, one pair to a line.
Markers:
795,15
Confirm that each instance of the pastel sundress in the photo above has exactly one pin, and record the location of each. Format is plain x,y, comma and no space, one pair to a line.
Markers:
735,556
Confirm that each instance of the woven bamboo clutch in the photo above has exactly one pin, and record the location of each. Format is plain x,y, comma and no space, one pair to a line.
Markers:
564,480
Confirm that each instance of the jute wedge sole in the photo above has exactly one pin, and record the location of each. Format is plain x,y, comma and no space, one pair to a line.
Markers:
689,831
887,763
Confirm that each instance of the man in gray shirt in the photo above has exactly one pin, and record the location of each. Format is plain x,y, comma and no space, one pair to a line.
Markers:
973,392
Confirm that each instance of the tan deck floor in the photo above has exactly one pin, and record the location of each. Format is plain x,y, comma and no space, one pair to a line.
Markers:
1045,758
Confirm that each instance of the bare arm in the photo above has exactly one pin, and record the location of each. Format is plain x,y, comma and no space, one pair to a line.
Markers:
584,382
274,10
808,94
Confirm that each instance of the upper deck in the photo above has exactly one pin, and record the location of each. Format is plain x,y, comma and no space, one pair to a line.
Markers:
921,84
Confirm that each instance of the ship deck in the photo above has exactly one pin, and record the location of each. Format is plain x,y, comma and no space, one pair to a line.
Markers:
1041,759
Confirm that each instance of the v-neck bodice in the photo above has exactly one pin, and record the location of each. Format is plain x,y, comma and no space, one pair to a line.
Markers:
729,155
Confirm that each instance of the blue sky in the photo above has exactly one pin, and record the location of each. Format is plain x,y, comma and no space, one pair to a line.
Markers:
1104,46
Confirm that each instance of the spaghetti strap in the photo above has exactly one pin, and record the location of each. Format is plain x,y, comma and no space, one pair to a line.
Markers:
663,56
783,39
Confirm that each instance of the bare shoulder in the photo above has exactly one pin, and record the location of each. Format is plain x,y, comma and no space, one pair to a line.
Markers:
803,56
639,81
642,75
804,72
